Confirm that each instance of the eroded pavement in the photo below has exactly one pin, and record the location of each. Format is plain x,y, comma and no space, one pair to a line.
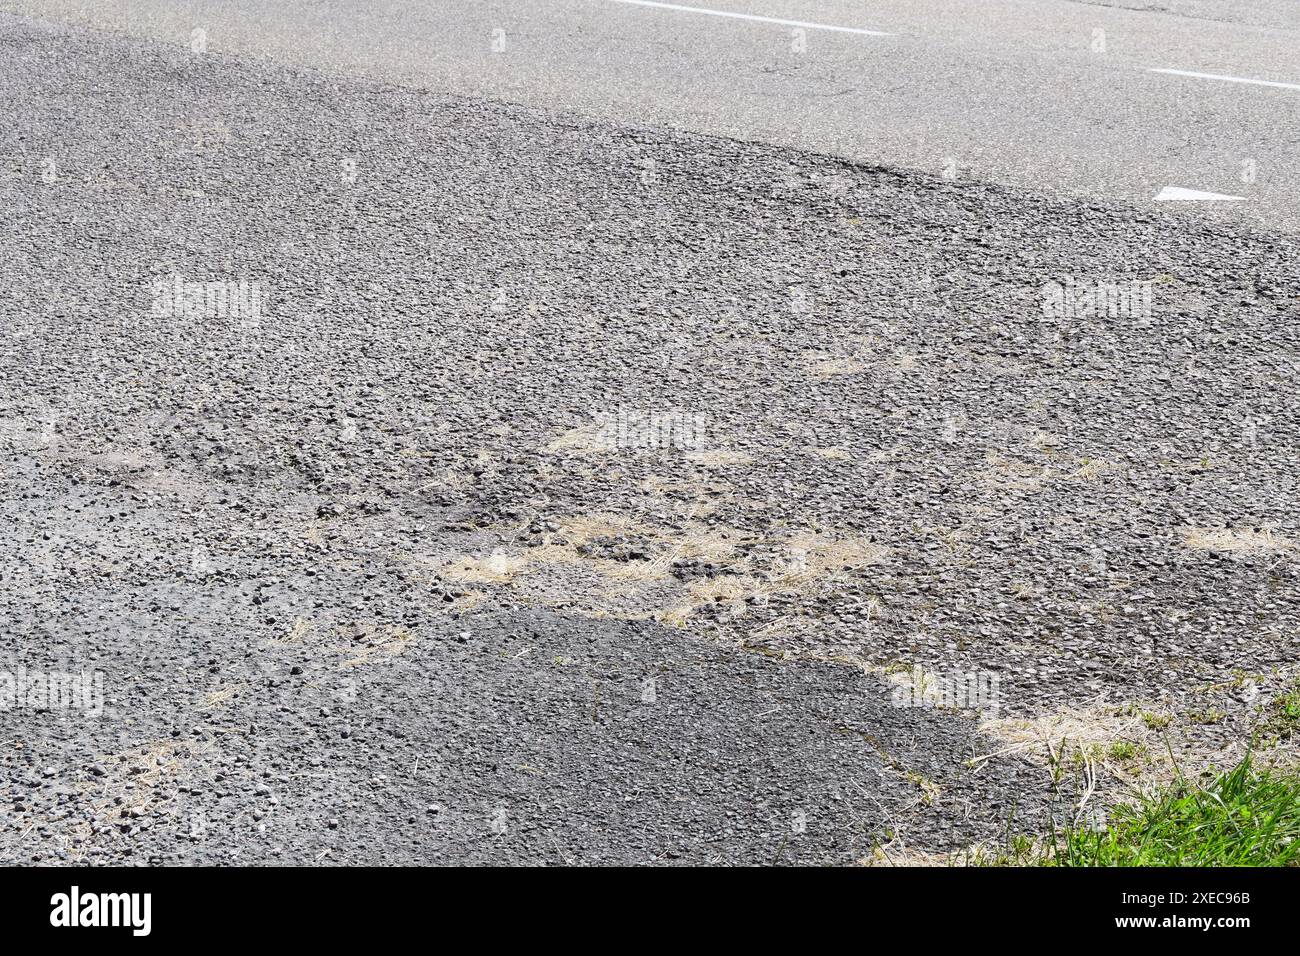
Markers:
566,493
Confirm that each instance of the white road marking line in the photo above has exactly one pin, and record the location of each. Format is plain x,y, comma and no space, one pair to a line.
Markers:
757,19
1179,194
1228,79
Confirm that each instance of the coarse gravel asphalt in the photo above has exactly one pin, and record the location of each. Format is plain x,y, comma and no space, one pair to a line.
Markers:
366,581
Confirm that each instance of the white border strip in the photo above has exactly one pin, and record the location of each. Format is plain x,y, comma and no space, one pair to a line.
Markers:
749,16
1229,79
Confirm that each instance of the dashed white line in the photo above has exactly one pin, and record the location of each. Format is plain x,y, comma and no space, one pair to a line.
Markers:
757,19
1228,79
1181,194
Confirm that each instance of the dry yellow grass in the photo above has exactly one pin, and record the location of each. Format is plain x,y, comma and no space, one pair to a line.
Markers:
914,678
1125,743
835,453
1009,474
465,603
896,854
381,641
676,616
219,698
1238,541
1091,469
813,561
826,369
366,640
133,776
585,439
582,529
297,632
1050,736
563,571
499,567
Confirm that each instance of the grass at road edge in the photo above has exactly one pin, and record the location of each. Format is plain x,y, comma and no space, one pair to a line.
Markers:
1247,816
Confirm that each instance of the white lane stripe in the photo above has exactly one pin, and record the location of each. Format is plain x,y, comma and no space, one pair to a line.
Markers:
750,16
1228,79
1182,194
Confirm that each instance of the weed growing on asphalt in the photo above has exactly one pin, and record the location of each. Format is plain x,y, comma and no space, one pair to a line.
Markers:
1155,721
1123,750
1281,721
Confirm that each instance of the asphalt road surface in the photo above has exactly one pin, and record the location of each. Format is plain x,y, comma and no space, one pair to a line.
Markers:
1050,95
395,474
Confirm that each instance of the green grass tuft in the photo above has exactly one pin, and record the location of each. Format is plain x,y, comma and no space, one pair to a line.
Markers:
1246,817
